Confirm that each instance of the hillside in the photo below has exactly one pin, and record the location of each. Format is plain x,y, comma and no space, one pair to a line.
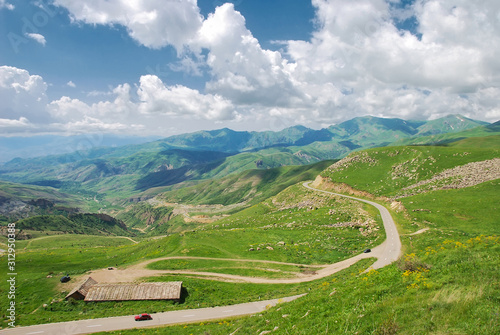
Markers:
74,223
227,195
20,201
117,174
361,131
397,171
250,186
446,282
449,138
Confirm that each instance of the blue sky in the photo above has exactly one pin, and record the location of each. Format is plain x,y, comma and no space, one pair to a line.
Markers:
82,53
162,67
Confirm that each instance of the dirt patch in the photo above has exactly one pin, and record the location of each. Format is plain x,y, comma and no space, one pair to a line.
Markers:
325,183
423,230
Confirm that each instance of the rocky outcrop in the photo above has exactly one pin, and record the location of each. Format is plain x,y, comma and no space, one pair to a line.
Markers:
460,176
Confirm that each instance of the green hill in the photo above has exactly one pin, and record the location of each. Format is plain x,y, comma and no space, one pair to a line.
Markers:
242,189
451,137
77,223
19,201
250,186
394,171
117,174
446,281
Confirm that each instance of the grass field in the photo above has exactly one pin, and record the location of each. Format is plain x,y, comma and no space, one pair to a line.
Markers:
394,168
447,281
284,232
73,241
242,268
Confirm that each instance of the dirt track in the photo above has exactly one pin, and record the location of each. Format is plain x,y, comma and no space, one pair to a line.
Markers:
386,253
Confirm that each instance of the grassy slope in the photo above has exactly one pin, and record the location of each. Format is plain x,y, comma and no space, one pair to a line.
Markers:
116,174
393,168
447,282
79,223
448,138
31,192
245,188
252,185
308,238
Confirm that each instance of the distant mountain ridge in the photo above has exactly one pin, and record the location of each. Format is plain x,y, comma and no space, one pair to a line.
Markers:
360,130
122,172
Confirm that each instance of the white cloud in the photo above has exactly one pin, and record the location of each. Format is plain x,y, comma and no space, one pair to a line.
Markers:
242,71
180,101
5,4
357,62
153,23
71,84
386,71
37,37
148,109
9,123
153,106
22,95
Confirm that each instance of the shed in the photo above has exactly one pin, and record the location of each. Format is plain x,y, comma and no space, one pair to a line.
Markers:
130,291
81,290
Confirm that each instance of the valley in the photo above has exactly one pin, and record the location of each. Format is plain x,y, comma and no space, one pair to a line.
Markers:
249,217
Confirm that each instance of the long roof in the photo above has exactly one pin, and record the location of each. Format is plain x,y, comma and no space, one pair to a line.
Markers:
141,291
83,287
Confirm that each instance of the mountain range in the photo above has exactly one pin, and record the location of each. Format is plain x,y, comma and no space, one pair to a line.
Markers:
120,173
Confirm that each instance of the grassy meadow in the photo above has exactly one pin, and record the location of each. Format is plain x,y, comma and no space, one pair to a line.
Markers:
446,282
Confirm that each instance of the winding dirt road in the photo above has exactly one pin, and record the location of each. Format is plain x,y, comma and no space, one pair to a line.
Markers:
390,250
386,253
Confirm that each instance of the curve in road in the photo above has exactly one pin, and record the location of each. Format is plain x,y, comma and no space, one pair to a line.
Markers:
386,253
390,250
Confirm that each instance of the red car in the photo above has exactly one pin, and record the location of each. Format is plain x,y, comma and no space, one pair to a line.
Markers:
143,316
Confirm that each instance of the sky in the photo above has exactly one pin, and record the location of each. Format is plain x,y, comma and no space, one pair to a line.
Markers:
164,67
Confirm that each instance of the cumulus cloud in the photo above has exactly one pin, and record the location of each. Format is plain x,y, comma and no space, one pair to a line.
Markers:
23,95
8,123
391,72
5,4
152,106
358,61
71,84
181,101
152,23
149,107
242,70
37,37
